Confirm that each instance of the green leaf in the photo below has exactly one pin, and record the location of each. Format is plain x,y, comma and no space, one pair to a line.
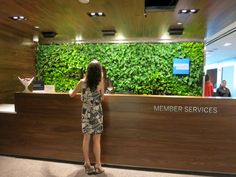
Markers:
141,67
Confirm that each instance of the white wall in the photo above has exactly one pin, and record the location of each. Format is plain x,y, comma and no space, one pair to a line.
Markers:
219,66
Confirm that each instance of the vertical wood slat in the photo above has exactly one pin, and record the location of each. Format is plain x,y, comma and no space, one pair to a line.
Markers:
15,60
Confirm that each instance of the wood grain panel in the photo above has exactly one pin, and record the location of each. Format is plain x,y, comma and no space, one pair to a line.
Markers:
69,18
48,126
16,59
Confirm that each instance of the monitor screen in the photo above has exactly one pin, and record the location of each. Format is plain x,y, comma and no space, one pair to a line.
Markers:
38,85
181,66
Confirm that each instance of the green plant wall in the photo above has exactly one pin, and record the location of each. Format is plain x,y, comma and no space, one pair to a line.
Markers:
142,68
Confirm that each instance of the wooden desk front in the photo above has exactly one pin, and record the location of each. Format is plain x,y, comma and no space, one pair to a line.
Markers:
189,133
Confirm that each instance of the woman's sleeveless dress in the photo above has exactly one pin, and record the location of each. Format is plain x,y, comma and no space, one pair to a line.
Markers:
92,115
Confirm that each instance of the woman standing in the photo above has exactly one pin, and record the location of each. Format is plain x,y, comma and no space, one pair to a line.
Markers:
208,89
92,115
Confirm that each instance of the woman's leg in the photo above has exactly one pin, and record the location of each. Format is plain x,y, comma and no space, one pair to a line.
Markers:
97,148
86,142
97,153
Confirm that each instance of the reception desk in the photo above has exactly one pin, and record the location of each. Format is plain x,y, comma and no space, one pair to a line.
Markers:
162,132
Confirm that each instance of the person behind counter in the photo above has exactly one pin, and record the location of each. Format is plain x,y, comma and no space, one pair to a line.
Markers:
223,90
108,86
92,115
208,89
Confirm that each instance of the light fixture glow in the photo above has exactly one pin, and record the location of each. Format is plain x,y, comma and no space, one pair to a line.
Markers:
18,17
165,41
96,14
37,27
188,11
27,42
35,38
120,37
227,44
165,36
184,10
179,23
193,10
78,38
78,42
84,1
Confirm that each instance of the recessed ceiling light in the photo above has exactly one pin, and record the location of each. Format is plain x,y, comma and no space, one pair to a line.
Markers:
84,1
37,27
183,11
188,11
100,13
193,10
96,14
227,44
18,17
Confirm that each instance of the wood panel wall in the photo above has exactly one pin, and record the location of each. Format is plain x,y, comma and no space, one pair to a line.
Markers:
48,126
17,58
213,16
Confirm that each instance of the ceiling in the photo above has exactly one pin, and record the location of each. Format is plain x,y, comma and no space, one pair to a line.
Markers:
68,18
216,51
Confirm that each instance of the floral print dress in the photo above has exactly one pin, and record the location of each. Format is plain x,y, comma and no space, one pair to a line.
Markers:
92,115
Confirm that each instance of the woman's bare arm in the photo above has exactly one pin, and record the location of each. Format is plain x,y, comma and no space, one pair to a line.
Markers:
77,88
101,88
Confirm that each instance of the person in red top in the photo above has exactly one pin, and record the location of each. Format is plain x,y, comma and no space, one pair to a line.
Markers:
208,89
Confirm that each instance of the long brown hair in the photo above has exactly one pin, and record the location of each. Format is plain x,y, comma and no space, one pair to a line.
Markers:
207,78
94,75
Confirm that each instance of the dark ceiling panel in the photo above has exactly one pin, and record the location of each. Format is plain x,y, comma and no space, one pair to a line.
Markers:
160,5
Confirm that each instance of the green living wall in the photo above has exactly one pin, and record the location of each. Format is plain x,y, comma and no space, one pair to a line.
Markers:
143,68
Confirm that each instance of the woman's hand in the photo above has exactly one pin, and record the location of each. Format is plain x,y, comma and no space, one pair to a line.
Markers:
77,89
70,92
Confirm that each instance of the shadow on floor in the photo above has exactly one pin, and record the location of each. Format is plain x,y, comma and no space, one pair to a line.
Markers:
77,173
82,173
